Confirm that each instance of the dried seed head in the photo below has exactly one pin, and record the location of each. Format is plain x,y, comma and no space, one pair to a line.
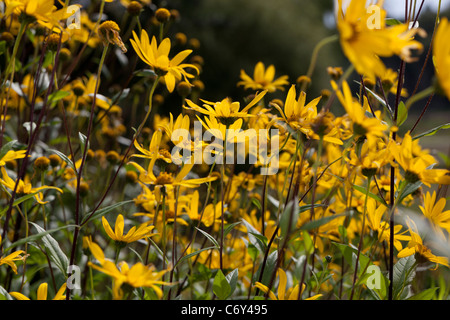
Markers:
109,33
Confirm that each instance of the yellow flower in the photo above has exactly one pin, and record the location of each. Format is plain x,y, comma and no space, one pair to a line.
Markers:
363,126
441,55
365,38
375,213
133,234
226,110
284,293
24,186
42,293
157,57
263,79
44,11
417,167
15,256
137,276
416,246
12,155
434,211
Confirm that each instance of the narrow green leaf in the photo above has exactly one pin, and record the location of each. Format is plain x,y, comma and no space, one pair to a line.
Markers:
251,231
53,250
193,254
392,21
433,131
65,158
230,227
37,236
370,194
320,222
210,237
426,294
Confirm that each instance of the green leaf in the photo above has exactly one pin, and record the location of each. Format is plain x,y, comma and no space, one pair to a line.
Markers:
53,250
363,190
230,227
65,158
404,273
409,189
4,295
308,243
221,287
36,237
83,140
145,73
54,97
432,132
193,254
269,268
426,294
379,99
210,237
320,222
402,114
392,21
254,240
350,255
101,212
256,203
232,279
289,218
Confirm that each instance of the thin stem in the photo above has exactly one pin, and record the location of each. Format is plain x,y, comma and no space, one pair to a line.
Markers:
361,240
315,54
83,160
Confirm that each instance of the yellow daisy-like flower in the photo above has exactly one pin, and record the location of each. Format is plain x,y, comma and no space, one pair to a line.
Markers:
263,79
441,55
134,234
42,293
284,293
44,11
157,57
416,246
370,127
24,186
226,111
434,211
365,38
11,258
137,276
12,155
417,167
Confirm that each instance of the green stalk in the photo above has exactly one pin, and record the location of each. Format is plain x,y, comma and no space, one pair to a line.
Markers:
361,237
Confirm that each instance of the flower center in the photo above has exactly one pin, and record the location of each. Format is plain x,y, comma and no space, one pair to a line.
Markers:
164,178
